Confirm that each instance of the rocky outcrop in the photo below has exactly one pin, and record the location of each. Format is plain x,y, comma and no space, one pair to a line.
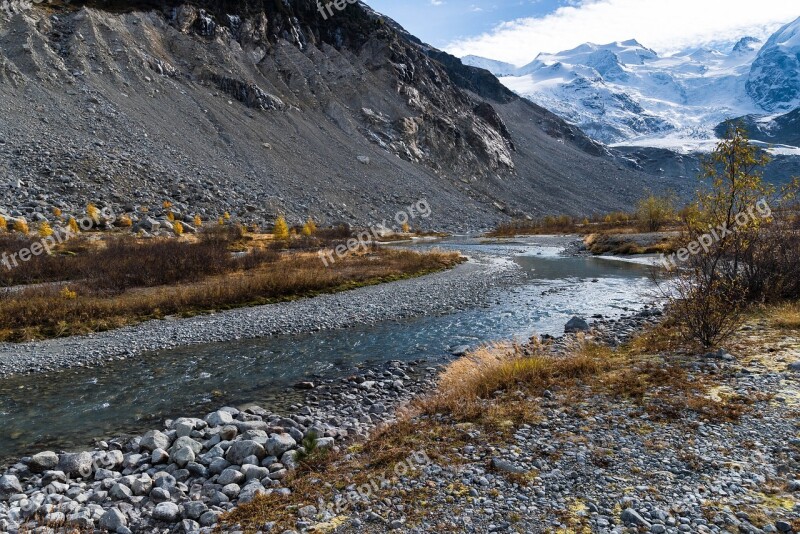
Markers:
774,81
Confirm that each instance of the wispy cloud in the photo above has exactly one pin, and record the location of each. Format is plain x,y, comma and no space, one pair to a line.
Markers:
666,26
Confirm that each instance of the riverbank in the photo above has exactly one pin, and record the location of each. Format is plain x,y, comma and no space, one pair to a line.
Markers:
460,287
646,438
194,470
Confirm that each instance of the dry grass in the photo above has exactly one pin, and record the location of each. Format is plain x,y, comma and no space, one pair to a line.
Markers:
785,316
499,386
258,278
616,223
616,243
467,385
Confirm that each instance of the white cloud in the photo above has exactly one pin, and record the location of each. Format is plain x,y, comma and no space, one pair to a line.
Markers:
664,25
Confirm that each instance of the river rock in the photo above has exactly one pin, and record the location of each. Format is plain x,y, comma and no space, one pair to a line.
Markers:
113,521
186,441
219,418
324,443
120,492
9,485
167,512
630,516
576,324
182,456
43,461
277,444
78,464
230,476
242,449
154,440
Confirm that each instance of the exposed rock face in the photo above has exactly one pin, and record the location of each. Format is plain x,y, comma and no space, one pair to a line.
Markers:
217,105
774,82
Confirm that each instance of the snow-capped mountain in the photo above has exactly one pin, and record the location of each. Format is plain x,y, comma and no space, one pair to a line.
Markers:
625,93
774,81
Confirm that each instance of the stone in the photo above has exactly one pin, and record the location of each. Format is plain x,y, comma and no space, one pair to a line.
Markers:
78,464
324,443
168,512
9,485
185,441
154,440
190,527
505,466
219,418
230,476
304,385
459,350
160,495
794,366
184,429
43,461
630,516
113,520
231,490
209,519
182,456
576,324
159,456
254,472
195,509
242,449
142,484
120,492
277,444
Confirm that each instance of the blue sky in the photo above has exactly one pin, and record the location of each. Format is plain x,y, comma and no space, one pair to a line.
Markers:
517,30
441,22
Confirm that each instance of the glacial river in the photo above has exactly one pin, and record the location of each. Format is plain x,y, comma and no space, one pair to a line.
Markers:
67,409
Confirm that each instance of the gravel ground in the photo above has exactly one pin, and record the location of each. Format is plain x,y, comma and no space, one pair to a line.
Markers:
590,465
465,286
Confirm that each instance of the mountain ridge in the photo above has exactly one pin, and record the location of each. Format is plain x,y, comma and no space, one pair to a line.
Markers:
265,111
623,93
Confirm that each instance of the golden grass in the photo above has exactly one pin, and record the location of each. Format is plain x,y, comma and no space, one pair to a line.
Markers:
616,243
785,316
44,312
468,383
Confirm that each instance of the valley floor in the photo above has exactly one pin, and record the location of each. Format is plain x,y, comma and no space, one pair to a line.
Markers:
645,438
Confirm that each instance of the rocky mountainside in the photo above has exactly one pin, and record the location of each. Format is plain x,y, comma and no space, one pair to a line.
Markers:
773,129
774,80
259,107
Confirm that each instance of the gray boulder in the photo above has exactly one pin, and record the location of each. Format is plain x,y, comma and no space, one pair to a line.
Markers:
219,418
154,440
9,485
168,512
44,461
277,444
576,324
240,450
113,520
230,476
78,464
630,516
